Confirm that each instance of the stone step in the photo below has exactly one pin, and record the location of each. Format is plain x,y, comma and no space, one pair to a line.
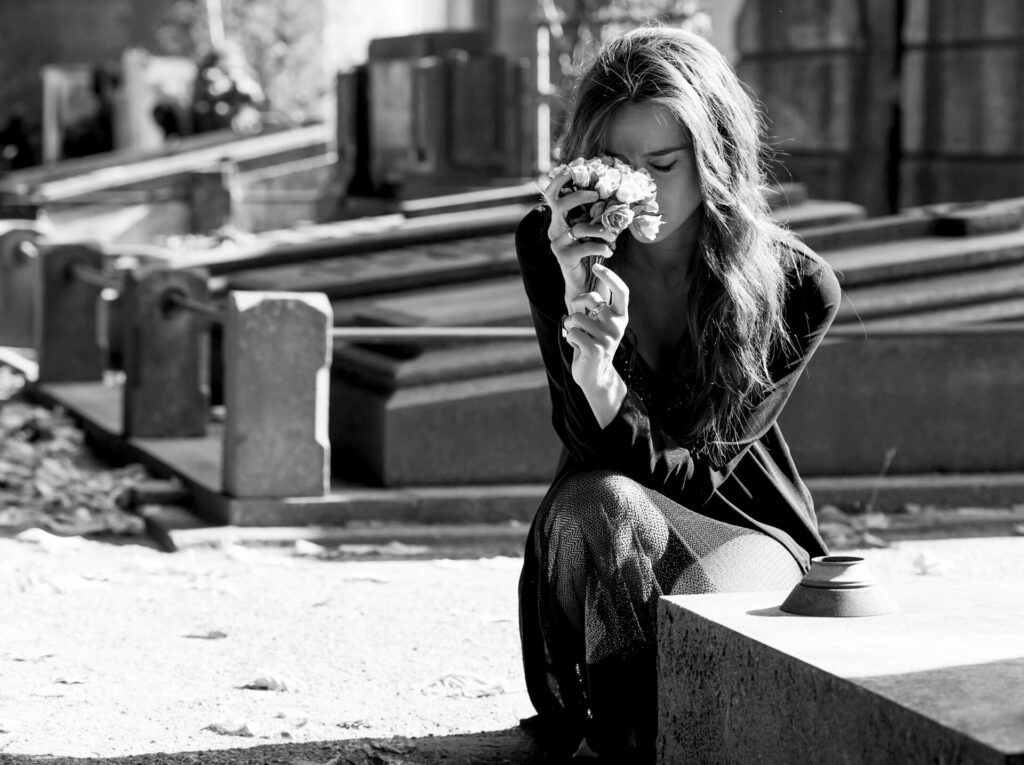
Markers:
197,463
932,293
418,252
347,238
914,276
938,680
973,297
390,270
923,256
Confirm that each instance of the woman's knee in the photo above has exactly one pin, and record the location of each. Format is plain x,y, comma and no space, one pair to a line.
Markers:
583,497
604,508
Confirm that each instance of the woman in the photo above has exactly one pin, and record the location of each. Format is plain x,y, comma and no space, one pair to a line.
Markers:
666,383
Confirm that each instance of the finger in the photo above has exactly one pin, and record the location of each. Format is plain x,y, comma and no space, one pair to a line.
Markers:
617,288
593,325
594,230
585,302
570,253
565,204
550,191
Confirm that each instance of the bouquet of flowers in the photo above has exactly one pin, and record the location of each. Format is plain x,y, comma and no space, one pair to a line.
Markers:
626,199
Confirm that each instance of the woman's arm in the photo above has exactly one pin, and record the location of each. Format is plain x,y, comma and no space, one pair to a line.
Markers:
634,441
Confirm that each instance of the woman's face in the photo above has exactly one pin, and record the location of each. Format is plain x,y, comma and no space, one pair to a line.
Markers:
648,135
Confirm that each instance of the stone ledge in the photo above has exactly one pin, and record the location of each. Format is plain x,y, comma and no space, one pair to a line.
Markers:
937,681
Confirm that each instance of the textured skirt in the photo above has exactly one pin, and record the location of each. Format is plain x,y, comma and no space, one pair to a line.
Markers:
601,551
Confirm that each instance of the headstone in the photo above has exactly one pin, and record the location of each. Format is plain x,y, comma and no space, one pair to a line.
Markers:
213,198
19,272
67,328
471,413
946,402
277,357
939,680
165,355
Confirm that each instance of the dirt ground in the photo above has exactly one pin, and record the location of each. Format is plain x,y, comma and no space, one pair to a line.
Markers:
108,651
286,646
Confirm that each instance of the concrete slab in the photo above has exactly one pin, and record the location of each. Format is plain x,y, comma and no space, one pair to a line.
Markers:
389,270
940,680
914,256
930,293
198,463
819,212
942,403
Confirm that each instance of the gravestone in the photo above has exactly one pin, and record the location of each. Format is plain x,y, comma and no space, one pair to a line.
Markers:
276,375
939,680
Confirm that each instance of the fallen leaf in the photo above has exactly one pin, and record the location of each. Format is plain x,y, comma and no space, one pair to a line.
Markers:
395,548
268,683
392,748
462,684
34,658
231,728
305,549
211,635
929,564
353,724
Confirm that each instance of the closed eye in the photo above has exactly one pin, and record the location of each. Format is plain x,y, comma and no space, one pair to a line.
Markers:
663,168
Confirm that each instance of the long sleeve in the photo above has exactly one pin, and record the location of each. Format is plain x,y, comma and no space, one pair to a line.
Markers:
636,442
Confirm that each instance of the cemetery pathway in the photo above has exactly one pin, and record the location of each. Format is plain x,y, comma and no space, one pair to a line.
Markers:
120,653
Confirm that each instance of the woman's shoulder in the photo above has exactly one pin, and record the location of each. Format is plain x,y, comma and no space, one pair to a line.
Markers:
811,273
533,228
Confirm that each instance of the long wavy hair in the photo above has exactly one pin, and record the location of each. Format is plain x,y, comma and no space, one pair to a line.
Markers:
735,305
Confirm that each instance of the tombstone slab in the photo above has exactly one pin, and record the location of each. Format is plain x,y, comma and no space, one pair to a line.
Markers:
277,358
939,680
471,413
165,355
18,276
67,327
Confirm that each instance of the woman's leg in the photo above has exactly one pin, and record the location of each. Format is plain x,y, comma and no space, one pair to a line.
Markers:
606,549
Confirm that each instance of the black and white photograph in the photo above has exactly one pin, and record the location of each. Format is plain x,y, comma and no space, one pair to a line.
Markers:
511,382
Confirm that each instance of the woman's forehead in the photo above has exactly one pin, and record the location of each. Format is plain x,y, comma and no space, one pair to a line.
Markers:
644,128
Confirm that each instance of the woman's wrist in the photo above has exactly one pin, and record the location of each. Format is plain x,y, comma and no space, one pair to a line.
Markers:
605,397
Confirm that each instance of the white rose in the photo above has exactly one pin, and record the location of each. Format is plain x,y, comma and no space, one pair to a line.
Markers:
580,173
557,171
645,227
633,188
608,182
615,218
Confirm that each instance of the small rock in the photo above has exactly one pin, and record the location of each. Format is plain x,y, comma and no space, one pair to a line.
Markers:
268,683
929,564
306,549
462,684
49,542
832,514
232,728
211,635
867,539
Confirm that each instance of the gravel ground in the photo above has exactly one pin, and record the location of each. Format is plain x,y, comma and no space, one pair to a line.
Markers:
110,650
254,646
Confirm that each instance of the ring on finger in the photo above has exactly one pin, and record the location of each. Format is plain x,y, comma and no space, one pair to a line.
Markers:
572,235
596,310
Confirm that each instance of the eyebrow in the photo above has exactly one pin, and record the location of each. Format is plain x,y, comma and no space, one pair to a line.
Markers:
657,152
670,150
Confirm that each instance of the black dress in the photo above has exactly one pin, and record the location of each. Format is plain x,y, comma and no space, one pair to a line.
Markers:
637,511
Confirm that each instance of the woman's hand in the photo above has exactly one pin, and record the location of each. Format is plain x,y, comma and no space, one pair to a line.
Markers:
571,244
595,329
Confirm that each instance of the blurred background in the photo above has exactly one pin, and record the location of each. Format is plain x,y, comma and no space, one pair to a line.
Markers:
382,155
884,103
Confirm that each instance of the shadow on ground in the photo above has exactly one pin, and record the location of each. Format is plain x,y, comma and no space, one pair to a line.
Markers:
512,746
